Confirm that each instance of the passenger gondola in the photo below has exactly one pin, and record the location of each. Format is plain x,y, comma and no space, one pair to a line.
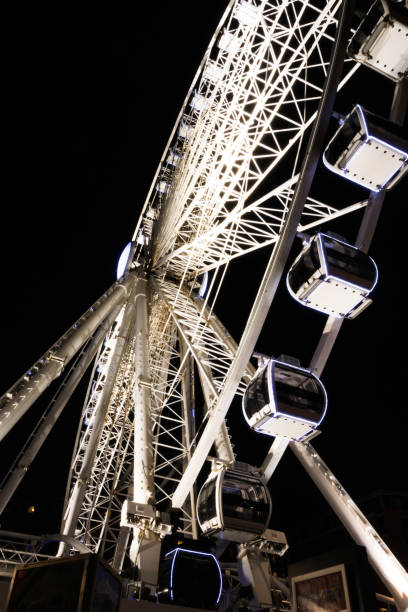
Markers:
380,41
368,150
333,277
190,578
234,504
284,400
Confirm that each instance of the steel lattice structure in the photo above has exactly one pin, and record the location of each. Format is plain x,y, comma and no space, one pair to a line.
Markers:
224,188
255,95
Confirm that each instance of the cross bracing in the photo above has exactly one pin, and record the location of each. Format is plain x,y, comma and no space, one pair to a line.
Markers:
176,321
200,334
255,97
184,323
245,120
241,231
23,549
111,475
168,414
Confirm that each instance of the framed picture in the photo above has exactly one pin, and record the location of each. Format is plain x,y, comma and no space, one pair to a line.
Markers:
322,591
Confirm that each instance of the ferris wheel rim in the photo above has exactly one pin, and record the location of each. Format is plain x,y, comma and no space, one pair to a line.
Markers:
183,106
211,47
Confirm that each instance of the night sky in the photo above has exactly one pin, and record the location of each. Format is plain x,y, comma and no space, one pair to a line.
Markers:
91,96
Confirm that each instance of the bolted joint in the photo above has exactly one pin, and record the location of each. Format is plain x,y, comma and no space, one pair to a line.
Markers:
145,517
271,542
141,382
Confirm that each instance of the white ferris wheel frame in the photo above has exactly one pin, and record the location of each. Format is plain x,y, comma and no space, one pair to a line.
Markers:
243,125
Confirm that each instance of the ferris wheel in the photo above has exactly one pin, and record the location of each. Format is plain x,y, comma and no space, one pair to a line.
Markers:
236,176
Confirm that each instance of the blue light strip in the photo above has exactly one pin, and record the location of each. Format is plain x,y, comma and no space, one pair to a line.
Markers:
271,386
362,119
217,503
194,552
176,551
350,246
320,384
243,397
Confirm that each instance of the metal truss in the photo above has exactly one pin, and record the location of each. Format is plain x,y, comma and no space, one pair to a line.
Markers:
256,226
243,127
255,96
17,549
181,331
180,328
22,549
172,420
202,335
111,475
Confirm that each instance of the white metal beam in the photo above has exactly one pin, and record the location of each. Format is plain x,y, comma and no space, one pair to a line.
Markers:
27,456
18,399
96,425
363,533
143,488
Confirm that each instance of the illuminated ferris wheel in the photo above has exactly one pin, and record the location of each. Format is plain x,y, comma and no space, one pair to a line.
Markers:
235,176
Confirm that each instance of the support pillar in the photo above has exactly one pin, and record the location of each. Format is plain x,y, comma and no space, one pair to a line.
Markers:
146,545
187,386
78,493
385,564
30,451
20,397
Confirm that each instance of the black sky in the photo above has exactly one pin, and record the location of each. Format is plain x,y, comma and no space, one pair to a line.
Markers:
92,93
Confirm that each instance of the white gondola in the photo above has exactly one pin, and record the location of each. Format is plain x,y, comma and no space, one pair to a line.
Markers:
381,40
284,400
333,277
186,128
199,103
230,43
368,150
248,14
174,156
163,187
212,72
235,505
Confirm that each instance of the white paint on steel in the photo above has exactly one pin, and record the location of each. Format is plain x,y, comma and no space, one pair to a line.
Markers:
143,491
379,555
18,399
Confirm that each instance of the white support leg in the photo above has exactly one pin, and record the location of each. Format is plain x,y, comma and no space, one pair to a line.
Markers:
20,397
31,449
388,568
120,550
273,457
255,570
143,453
145,546
187,387
78,493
